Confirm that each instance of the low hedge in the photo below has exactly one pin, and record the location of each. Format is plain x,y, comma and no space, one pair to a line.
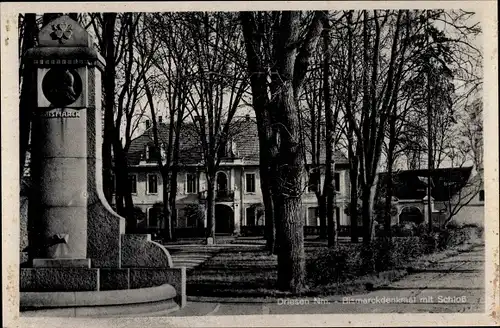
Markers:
348,261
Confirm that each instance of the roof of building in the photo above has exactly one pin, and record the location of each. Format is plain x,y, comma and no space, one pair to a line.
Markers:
244,137
412,184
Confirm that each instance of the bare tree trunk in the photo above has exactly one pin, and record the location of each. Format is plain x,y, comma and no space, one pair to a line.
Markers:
291,258
109,85
270,228
167,212
26,103
322,210
329,188
124,203
389,184
211,208
354,201
172,199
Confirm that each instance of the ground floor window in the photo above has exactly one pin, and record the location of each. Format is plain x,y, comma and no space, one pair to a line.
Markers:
312,216
250,216
190,216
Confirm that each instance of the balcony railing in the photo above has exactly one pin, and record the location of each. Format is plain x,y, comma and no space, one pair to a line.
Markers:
220,195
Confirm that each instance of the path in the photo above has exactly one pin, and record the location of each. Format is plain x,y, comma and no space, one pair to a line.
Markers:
193,255
453,285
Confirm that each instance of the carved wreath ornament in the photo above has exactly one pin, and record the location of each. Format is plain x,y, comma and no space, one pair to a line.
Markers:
61,32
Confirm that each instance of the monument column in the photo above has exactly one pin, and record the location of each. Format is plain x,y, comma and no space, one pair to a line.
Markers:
61,62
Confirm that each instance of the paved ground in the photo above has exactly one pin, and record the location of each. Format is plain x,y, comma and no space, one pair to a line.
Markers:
453,285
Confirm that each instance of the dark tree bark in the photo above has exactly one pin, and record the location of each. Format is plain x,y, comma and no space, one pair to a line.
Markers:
331,120
109,85
287,166
258,83
26,102
211,207
353,158
48,17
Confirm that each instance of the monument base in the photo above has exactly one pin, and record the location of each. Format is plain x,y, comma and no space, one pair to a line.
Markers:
59,279
100,303
61,263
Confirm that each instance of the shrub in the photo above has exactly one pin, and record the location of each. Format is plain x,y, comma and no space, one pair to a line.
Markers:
420,229
330,265
429,242
403,229
404,249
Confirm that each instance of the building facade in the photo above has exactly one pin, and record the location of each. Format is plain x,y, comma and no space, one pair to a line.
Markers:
238,200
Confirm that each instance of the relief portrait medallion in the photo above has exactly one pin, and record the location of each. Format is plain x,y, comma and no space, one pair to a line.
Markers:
62,86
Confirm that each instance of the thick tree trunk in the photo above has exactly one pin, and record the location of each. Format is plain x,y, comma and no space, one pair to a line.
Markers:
109,101
26,102
291,258
211,208
329,189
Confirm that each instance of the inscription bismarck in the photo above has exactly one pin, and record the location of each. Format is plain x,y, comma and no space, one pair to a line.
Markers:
60,114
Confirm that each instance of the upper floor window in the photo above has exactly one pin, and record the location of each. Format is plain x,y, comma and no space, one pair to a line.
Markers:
481,195
132,180
250,182
312,183
152,184
221,181
336,178
190,183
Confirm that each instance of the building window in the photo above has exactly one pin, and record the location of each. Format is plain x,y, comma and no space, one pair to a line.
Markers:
132,180
221,181
250,215
312,186
152,153
153,217
250,182
152,184
481,195
336,178
312,216
190,183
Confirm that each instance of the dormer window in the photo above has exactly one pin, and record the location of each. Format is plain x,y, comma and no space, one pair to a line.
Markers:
151,152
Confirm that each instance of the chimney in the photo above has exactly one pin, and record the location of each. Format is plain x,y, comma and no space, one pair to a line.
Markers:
160,119
147,124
